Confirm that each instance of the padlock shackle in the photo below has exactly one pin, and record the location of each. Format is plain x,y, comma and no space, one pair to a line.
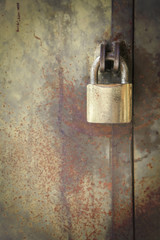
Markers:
95,68
94,71
124,71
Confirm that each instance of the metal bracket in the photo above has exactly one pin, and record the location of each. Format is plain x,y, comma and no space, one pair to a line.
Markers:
110,54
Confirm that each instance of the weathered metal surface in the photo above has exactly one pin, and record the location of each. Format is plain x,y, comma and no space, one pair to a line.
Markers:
147,120
122,190
56,180
55,167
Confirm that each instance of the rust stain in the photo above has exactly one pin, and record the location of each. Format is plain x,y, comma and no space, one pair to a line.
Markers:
38,39
147,117
56,167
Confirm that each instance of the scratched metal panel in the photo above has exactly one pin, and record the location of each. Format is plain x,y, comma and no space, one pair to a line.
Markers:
55,167
122,138
147,120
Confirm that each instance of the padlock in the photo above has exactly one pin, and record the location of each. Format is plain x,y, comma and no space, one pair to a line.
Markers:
109,103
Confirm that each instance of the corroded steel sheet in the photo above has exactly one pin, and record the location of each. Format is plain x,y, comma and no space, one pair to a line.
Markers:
122,144
61,177
55,167
147,120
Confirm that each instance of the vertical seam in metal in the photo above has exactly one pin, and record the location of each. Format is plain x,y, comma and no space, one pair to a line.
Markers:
112,164
112,194
112,6
133,177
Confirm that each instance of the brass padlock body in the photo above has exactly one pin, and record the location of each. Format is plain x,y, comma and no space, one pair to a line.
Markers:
109,103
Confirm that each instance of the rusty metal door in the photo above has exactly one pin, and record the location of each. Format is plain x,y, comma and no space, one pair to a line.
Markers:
61,177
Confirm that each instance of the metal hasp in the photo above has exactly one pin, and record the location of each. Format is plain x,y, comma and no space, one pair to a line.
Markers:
109,103
109,52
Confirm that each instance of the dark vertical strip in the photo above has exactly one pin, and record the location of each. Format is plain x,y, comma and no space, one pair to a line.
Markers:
133,189
112,5
122,144
146,119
